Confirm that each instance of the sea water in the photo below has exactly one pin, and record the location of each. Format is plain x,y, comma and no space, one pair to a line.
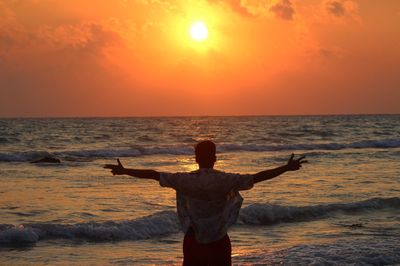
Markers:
343,207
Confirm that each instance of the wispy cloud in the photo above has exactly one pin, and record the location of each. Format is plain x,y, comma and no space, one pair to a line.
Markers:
283,9
335,7
235,5
343,9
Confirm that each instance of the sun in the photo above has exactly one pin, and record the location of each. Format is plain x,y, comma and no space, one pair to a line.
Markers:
199,31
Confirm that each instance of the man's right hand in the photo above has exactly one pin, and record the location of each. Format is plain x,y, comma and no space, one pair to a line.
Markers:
116,169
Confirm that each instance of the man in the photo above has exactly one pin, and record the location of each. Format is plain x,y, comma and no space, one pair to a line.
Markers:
208,202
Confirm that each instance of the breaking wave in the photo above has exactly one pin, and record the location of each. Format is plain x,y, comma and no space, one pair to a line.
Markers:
166,222
265,214
160,223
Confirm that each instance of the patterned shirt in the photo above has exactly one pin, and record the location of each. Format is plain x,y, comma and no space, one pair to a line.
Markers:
207,200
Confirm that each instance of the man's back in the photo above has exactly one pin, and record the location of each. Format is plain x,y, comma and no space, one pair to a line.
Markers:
208,200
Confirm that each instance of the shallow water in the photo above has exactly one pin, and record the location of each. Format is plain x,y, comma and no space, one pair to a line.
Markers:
341,208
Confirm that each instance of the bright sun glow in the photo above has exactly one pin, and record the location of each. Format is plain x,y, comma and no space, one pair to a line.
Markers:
199,31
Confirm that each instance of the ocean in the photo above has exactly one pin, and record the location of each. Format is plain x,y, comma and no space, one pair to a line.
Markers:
343,207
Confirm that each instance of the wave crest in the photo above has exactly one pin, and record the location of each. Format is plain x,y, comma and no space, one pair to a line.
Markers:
166,222
160,223
264,214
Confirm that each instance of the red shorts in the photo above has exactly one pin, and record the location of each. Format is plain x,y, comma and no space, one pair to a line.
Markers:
215,253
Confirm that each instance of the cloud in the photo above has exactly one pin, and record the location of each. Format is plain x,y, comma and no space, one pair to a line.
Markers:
329,52
47,68
235,5
283,9
16,34
8,28
343,9
336,8
86,35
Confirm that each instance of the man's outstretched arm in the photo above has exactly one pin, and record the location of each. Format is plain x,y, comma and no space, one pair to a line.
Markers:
292,165
119,169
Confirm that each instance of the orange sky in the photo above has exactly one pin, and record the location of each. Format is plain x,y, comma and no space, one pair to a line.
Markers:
136,58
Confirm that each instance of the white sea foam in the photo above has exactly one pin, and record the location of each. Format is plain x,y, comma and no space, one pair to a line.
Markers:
158,224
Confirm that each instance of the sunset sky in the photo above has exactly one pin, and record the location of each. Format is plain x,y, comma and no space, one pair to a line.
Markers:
137,57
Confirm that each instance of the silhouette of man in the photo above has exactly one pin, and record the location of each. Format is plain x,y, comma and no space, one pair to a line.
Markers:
208,202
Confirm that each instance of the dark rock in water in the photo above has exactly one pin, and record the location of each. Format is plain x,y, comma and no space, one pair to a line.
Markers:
47,160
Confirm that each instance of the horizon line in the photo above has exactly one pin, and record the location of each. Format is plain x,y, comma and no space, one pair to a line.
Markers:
186,116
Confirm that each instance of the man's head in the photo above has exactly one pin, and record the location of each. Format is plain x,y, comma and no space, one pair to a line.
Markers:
205,154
